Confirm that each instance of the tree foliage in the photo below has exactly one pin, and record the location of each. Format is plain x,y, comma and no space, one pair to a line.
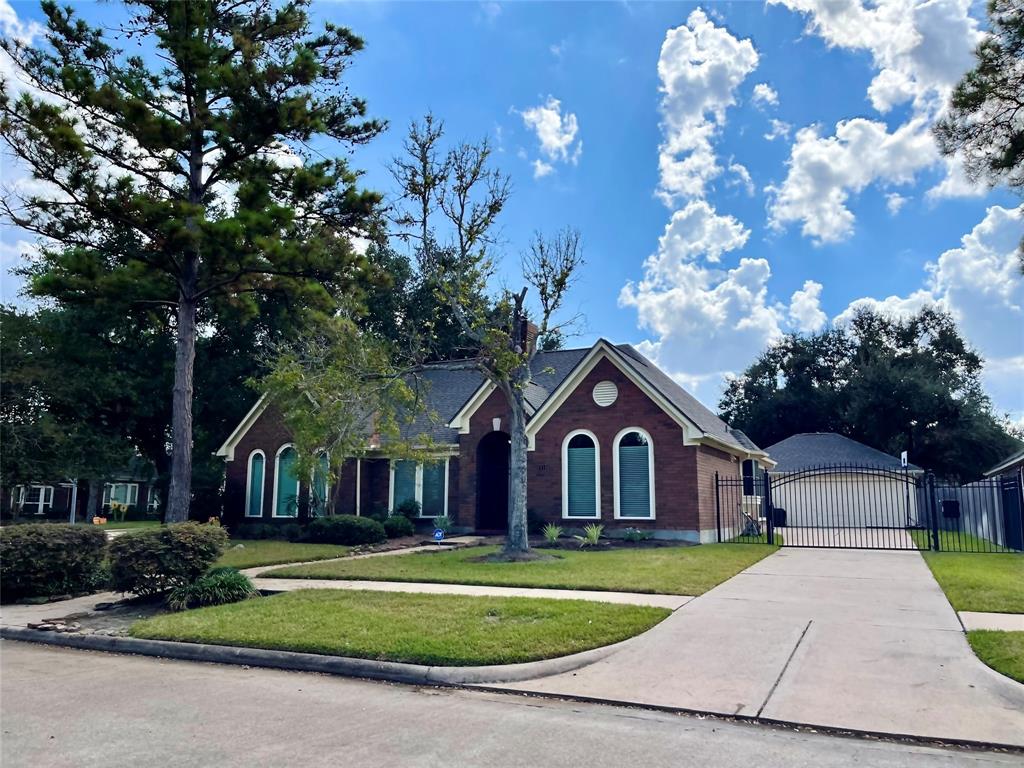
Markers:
186,176
895,384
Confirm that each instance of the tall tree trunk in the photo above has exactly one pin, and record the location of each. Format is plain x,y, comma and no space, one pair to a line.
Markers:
179,495
517,541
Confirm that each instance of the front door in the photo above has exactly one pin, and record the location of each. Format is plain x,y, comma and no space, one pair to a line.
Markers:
492,475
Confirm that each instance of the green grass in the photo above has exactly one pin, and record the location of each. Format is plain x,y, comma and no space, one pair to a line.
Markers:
421,629
667,570
1003,651
270,552
952,541
129,525
980,582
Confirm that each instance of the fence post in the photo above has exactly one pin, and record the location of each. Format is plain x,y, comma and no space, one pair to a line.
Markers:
769,513
933,510
718,510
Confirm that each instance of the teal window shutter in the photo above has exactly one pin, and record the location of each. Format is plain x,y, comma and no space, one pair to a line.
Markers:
287,485
255,486
634,479
405,482
433,488
581,465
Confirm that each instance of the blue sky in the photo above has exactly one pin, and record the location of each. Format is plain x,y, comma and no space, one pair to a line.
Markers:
737,170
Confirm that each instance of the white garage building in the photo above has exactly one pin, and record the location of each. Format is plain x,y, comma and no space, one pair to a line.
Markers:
826,480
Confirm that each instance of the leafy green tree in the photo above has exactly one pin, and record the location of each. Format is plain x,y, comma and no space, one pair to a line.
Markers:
194,183
985,123
895,384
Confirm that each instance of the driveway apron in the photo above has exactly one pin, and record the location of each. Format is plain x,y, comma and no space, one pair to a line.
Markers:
854,639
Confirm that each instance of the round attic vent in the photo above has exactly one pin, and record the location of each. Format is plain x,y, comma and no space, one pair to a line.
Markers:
605,393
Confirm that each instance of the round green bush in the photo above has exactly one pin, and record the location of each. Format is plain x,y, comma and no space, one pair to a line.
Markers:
345,529
46,559
156,560
218,587
397,526
409,508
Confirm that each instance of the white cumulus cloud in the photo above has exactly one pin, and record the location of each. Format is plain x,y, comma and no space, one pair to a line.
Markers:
894,201
765,95
805,313
557,133
701,65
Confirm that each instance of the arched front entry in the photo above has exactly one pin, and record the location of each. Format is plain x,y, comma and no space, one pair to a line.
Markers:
492,464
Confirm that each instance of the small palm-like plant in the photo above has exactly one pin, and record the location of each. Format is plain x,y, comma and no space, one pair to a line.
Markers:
552,533
591,535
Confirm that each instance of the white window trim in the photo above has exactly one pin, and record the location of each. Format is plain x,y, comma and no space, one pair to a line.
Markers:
248,483
277,469
45,491
565,476
650,471
418,486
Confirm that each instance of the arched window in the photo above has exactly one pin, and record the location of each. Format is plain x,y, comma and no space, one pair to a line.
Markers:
581,476
254,485
633,454
318,495
286,484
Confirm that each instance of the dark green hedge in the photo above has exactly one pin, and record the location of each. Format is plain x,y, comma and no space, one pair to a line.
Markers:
397,526
345,529
152,561
46,559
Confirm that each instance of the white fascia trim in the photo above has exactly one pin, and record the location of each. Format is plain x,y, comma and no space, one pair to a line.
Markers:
227,450
460,420
565,476
602,349
650,471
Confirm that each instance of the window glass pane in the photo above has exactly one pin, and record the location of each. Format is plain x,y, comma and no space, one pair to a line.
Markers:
318,501
255,487
634,478
287,485
119,493
133,494
405,481
32,496
433,489
582,478
48,495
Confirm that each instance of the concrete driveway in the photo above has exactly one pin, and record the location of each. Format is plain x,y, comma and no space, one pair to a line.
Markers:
843,638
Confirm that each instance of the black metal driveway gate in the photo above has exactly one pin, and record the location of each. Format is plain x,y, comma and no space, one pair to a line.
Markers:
864,507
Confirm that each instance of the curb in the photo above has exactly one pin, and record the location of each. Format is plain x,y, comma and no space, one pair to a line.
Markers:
416,674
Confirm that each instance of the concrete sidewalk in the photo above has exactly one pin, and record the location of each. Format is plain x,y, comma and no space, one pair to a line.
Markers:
1006,622
854,639
672,602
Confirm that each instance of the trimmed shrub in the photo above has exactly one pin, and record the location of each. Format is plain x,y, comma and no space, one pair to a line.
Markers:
218,587
51,559
149,562
378,512
252,531
409,508
397,526
291,532
345,529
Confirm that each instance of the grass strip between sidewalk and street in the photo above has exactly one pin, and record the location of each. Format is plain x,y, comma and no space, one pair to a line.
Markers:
272,552
667,570
450,630
1003,651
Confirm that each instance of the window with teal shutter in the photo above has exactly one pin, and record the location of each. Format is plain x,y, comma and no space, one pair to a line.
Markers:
581,481
287,485
405,482
255,505
634,476
433,489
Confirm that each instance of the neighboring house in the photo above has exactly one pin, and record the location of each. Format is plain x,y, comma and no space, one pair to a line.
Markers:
1011,465
55,498
823,480
613,439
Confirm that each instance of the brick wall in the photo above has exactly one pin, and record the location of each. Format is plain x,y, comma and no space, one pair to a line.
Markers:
709,461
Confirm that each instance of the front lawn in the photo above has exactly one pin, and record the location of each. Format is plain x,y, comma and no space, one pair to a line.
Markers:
980,582
667,570
449,630
955,541
271,552
1003,651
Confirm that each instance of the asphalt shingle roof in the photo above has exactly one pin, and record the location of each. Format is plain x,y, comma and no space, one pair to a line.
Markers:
815,449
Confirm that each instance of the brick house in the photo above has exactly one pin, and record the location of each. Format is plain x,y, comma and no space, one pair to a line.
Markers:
613,439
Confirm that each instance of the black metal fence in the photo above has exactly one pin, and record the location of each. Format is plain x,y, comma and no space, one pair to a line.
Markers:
864,507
